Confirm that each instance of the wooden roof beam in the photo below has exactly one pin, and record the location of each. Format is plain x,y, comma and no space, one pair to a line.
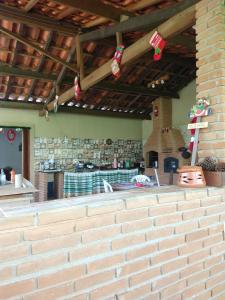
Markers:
30,4
36,20
141,4
137,23
96,7
168,29
37,48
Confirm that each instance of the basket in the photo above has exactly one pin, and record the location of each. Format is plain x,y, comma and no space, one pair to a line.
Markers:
191,176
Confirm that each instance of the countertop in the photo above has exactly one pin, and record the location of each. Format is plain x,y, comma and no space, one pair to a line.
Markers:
9,189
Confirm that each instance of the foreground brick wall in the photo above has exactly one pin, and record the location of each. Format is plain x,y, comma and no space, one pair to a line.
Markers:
210,22
145,246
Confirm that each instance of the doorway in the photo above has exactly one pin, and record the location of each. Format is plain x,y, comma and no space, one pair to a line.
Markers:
14,150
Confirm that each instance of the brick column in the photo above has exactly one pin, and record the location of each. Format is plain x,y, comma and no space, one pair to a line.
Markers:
210,29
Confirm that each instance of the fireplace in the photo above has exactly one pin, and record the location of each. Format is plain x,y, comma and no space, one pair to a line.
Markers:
161,148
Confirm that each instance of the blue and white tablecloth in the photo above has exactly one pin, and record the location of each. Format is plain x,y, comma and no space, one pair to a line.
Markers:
86,183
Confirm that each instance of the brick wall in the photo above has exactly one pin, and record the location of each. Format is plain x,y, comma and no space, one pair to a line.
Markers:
137,245
210,22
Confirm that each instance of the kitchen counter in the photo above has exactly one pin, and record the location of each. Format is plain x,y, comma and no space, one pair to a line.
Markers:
11,196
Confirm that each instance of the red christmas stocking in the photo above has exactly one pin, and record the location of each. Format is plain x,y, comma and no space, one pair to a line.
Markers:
116,61
158,43
77,89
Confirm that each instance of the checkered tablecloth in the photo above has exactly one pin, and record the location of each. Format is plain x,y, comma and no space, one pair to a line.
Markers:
86,183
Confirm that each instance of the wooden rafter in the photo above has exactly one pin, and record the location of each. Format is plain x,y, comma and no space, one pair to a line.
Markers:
30,4
138,23
76,110
96,7
80,57
36,20
168,29
132,8
37,48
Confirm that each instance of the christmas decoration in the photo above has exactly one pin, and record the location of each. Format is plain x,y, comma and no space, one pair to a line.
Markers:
201,108
77,89
11,135
191,144
158,43
117,60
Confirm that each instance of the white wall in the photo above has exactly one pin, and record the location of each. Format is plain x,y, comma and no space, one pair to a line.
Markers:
10,156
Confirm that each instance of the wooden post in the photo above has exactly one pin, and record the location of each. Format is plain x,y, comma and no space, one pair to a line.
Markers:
80,57
195,147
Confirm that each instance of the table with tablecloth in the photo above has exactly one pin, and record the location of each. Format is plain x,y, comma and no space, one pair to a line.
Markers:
86,183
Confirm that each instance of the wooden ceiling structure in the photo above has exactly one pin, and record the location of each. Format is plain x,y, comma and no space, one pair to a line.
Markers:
44,44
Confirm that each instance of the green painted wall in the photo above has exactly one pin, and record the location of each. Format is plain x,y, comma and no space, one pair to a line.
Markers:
180,110
72,125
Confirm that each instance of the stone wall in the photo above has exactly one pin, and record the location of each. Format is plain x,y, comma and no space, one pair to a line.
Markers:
67,151
155,245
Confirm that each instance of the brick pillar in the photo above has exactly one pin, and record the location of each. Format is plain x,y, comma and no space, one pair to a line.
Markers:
41,183
210,29
58,185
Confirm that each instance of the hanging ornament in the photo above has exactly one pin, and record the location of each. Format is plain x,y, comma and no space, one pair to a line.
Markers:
158,43
11,135
115,66
55,104
77,89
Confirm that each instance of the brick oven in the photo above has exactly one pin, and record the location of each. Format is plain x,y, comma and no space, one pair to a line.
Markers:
161,148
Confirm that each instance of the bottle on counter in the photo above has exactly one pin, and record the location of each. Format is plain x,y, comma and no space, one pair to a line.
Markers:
12,174
115,165
3,177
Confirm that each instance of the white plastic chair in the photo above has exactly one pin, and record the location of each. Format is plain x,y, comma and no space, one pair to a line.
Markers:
140,179
107,187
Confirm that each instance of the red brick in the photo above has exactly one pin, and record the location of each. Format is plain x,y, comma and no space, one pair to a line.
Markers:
193,290
14,252
91,281
17,288
192,214
128,241
160,233
64,275
50,231
145,276
100,234
195,194
212,240
213,281
171,197
59,215
164,256
52,293
213,260
6,273
131,215
188,205
173,289
137,225
94,222
218,249
196,235
145,250
17,222
137,293
206,221
217,268
218,290
9,238
110,289
141,201
133,267
200,276
191,269
174,265
163,281
105,207
185,227
53,244
105,263
85,251
162,210
42,263
168,219
203,254
171,243
190,247
203,296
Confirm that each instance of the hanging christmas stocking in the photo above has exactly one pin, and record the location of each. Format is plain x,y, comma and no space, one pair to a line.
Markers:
158,43
116,61
77,89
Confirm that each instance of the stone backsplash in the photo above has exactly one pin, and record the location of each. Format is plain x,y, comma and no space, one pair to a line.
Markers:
66,151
